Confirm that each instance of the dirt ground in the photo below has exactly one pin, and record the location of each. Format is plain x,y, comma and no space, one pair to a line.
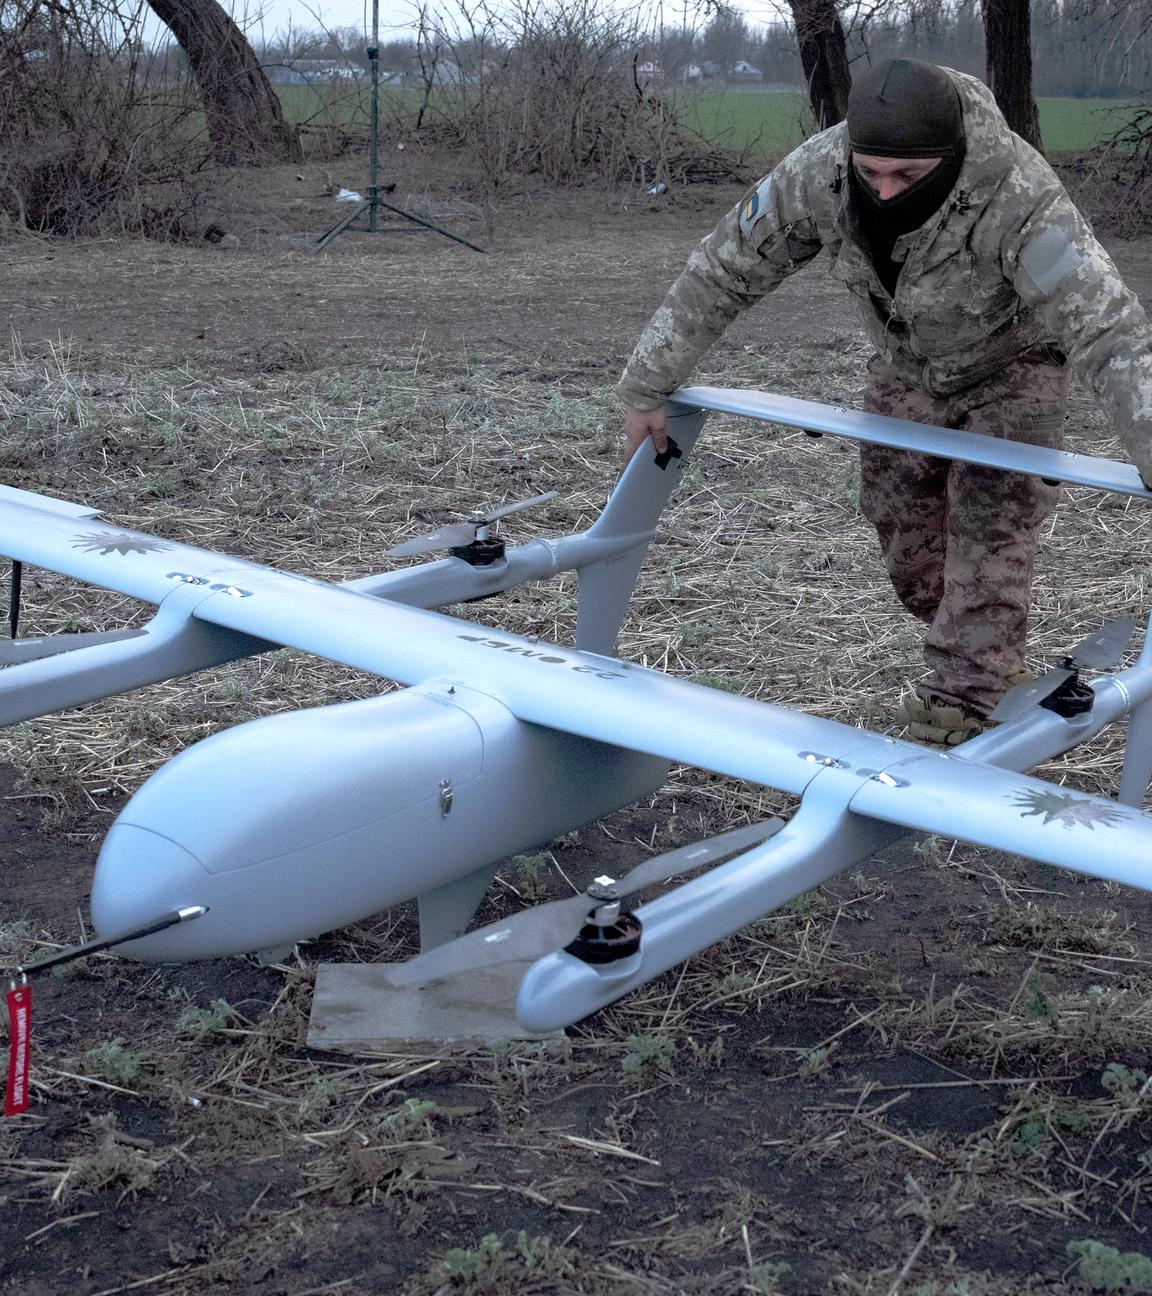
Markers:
928,1078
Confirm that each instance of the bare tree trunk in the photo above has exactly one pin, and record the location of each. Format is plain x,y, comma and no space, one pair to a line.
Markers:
1008,46
823,58
245,120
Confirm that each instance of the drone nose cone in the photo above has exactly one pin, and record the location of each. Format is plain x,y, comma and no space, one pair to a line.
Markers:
141,876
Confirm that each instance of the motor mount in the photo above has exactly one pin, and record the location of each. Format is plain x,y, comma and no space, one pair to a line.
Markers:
616,940
480,553
1073,697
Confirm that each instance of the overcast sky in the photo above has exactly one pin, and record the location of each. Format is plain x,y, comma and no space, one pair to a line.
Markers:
396,16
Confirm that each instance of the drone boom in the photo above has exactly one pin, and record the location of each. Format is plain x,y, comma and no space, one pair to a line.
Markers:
543,928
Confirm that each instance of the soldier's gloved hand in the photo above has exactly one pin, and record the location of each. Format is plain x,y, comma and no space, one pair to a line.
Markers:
639,425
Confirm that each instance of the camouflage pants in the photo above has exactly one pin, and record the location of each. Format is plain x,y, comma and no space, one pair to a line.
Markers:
959,540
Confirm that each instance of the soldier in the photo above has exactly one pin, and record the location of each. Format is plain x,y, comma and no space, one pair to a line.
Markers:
978,282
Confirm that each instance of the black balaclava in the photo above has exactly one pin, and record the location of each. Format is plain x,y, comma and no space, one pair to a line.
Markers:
903,108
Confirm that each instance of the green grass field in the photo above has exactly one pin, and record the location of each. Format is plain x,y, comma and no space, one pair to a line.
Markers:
768,123
1072,125
773,123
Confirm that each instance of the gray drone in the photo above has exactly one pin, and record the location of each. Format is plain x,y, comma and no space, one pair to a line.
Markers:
286,827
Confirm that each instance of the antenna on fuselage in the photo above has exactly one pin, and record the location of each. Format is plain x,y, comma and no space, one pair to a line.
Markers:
14,597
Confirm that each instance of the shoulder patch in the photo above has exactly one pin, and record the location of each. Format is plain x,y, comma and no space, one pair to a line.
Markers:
755,207
1049,259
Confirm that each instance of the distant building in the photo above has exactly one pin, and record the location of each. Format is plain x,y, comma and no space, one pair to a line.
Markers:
742,70
447,73
309,71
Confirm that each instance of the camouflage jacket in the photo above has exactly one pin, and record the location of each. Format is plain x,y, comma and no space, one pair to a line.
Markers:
1005,265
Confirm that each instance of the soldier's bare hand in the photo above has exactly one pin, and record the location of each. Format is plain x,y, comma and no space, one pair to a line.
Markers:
639,425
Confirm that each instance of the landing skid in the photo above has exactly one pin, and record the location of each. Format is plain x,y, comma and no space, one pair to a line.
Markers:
356,1010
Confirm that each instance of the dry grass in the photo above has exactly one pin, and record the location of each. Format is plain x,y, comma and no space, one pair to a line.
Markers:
923,1080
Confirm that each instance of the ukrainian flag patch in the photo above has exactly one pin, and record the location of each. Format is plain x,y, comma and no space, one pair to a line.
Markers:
756,206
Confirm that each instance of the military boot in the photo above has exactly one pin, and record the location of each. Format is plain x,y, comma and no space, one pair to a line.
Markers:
939,720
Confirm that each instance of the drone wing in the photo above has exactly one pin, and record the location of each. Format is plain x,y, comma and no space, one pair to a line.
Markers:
946,794
580,693
46,503
595,697
71,539
883,429
650,712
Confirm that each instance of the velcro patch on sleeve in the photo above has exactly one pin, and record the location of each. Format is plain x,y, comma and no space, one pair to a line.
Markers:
756,206
1049,259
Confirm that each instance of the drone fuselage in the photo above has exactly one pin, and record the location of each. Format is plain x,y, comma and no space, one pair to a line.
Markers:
297,824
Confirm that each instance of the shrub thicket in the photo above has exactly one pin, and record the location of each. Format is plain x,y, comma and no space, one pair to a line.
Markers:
88,147
561,90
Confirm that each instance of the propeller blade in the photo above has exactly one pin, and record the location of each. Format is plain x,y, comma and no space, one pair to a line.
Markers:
462,533
520,504
529,934
1023,697
532,933
685,859
445,537
1102,650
